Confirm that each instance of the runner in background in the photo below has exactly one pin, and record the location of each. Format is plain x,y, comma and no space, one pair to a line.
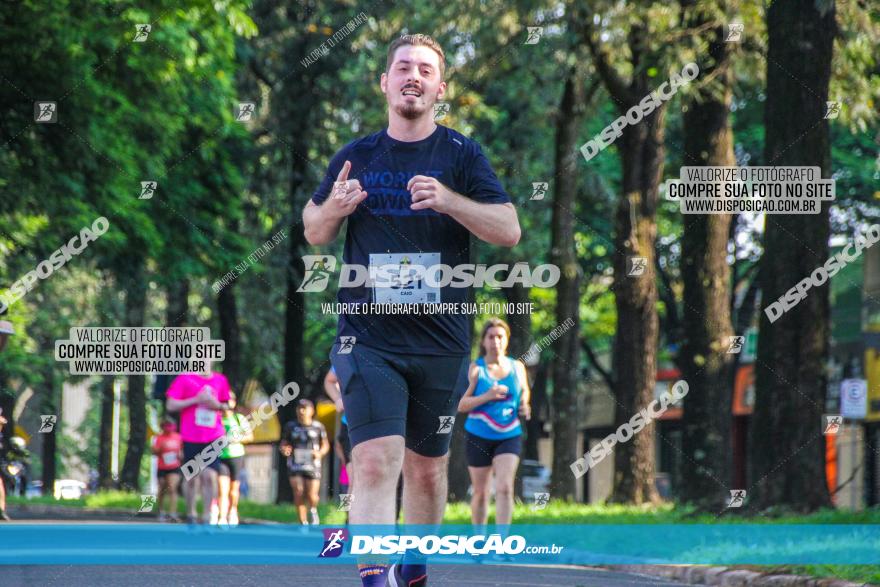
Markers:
497,394
168,447
238,432
304,443
342,444
200,398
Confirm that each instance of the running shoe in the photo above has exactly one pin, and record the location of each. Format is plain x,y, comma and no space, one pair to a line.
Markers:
215,513
233,517
394,579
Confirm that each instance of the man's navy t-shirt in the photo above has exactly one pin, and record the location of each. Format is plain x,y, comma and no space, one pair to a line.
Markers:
384,223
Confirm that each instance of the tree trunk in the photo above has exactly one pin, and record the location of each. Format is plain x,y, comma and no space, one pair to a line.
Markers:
520,323
135,312
566,418
294,318
177,312
535,426
704,360
635,343
50,406
788,460
227,312
634,354
105,439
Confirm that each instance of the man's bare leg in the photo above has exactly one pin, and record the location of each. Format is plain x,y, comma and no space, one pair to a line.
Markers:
377,464
424,488
424,501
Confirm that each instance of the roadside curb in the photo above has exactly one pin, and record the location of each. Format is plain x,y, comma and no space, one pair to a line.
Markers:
730,576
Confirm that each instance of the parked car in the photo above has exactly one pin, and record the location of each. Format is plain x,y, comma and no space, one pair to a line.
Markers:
535,479
34,489
69,489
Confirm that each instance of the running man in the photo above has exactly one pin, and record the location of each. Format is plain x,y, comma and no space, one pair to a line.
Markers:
168,447
304,443
413,192
200,398
238,432
497,394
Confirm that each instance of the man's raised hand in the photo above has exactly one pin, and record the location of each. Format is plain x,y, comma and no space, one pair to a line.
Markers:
346,194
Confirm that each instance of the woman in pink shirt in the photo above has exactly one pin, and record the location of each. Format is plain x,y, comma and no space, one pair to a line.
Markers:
200,398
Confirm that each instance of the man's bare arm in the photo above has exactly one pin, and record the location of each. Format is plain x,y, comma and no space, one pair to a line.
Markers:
497,224
322,222
319,229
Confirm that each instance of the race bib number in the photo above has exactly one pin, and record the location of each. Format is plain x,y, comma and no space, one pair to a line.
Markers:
169,458
206,418
303,456
399,278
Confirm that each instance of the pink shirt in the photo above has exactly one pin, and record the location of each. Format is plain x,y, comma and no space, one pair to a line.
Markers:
200,423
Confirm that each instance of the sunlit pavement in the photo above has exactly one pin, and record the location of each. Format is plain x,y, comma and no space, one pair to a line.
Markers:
244,575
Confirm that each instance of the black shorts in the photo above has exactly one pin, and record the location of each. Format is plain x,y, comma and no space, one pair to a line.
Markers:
388,394
191,449
160,473
230,467
345,440
480,451
305,473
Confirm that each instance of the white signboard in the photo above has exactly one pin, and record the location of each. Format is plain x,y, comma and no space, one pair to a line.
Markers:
853,398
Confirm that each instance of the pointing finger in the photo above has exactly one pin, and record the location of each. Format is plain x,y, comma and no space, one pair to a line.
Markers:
343,173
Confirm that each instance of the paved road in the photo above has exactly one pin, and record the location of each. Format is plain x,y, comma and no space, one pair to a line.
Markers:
310,575
250,575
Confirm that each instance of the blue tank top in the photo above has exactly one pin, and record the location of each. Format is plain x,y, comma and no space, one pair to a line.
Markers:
496,420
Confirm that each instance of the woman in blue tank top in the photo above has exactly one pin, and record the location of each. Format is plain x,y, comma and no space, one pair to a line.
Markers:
497,395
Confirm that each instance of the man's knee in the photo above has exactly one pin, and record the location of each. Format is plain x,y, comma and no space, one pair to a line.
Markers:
377,463
428,473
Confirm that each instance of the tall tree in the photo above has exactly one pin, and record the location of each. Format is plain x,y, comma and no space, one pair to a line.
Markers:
227,311
706,323
135,312
566,422
787,453
634,354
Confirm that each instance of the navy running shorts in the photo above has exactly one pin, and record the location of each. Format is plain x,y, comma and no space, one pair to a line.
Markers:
480,451
191,449
390,394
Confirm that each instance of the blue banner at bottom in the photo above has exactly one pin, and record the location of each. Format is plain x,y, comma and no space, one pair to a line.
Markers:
168,544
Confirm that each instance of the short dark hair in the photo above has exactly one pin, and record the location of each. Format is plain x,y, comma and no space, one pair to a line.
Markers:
416,40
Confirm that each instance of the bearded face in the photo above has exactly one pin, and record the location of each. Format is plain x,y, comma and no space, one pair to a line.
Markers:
412,84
